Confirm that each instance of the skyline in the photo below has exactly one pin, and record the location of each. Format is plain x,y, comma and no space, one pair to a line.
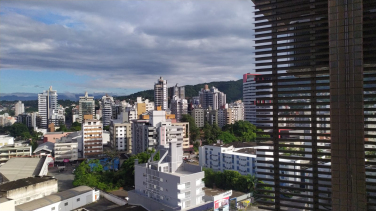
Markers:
122,47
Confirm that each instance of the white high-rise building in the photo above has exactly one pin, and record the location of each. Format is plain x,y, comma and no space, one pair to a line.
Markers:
179,107
47,102
107,102
160,94
250,98
212,98
19,108
86,107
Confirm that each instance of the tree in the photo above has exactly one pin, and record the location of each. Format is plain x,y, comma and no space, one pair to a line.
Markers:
227,137
62,128
107,128
76,126
19,130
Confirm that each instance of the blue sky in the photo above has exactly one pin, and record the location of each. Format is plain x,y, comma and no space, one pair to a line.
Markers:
122,46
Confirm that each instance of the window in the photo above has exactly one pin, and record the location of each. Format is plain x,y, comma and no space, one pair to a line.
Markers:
187,203
161,180
187,194
52,208
66,204
78,199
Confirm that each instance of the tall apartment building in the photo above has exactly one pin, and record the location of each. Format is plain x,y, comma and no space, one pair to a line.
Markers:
168,184
160,94
47,102
319,57
121,135
178,91
57,116
92,130
19,108
198,115
153,132
106,106
231,113
86,107
212,98
25,119
251,94
179,106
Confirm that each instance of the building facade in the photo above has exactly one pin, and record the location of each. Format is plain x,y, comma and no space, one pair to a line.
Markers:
106,105
252,105
67,147
47,102
212,98
198,115
160,94
28,189
148,134
318,56
169,183
92,130
86,107
221,157
121,135
19,108
14,150
179,106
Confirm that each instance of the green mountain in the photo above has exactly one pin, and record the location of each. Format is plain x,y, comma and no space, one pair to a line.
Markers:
232,89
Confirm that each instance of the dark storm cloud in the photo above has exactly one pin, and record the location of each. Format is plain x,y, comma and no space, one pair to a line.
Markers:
129,44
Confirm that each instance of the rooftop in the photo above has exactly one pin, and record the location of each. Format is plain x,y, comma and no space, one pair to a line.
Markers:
220,145
19,168
7,186
250,151
48,146
53,198
214,192
54,133
72,137
128,207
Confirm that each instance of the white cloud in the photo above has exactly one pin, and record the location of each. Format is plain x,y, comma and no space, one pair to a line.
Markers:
129,44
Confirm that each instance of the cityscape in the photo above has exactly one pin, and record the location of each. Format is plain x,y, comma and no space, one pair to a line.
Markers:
295,130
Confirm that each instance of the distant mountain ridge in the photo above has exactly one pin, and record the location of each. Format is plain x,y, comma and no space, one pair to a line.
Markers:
232,89
34,96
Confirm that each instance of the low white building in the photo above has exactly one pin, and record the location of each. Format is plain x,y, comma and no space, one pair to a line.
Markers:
221,157
5,140
67,147
63,201
14,150
28,189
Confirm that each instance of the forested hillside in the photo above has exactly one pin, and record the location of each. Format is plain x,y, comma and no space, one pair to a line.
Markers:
232,89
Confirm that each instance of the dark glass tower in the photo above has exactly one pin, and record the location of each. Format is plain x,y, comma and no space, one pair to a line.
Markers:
321,58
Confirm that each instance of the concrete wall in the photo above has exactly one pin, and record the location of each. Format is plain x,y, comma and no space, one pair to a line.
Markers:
148,203
73,203
7,205
115,199
32,192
